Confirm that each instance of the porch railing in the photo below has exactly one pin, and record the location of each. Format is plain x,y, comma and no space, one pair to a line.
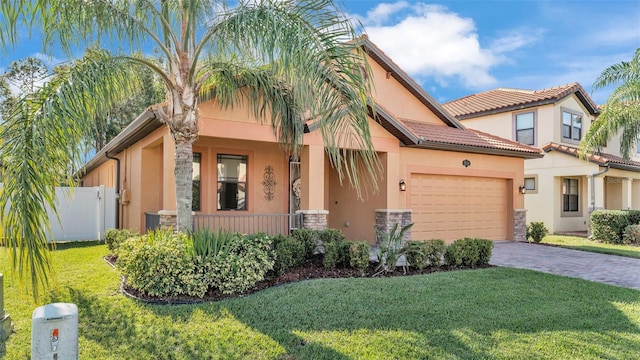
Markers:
271,224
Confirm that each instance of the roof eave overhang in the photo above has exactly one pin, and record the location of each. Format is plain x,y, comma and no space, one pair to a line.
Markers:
623,167
612,165
477,150
393,126
142,126
506,109
410,84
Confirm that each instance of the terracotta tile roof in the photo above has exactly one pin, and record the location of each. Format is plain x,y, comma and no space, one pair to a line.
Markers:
502,100
467,139
598,158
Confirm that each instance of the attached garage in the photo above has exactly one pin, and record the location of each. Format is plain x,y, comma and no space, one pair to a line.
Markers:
451,207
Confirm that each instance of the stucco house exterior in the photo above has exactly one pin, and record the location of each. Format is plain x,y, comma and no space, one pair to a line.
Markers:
450,181
561,189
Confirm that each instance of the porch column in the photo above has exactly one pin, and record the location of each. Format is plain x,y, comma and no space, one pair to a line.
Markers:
520,225
312,171
627,191
596,193
386,219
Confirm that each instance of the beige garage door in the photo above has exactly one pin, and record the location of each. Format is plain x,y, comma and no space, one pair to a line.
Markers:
453,207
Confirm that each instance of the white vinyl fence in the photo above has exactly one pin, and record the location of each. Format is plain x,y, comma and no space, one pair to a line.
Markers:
84,212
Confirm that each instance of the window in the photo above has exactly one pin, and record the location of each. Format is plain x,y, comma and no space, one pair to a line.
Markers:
571,126
195,184
570,194
638,146
232,182
530,184
525,128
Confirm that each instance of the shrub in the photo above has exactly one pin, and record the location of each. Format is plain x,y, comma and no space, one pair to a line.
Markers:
468,252
114,237
207,244
435,251
608,225
536,231
485,248
309,238
417,254
391,247
632,235
359,255
336,253
247,262
159,264
331,235
289,253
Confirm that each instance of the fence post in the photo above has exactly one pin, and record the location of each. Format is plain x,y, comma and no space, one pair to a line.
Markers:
6,327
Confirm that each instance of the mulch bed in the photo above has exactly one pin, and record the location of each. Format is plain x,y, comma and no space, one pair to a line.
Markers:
310,269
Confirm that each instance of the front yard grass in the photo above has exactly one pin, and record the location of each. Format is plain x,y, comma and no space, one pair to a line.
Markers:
580,243
494,313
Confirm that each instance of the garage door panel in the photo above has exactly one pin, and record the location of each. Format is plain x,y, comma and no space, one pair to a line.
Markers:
452,207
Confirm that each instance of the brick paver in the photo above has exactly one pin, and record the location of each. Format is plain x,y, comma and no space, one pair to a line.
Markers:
608,269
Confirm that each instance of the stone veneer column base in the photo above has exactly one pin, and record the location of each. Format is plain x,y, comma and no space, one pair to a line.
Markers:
387,218
520,225
168,219
314,219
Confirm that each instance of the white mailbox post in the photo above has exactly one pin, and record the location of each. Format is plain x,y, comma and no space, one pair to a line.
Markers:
54,332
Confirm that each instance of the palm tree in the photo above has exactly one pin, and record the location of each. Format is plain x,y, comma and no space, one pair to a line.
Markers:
291,60
621,111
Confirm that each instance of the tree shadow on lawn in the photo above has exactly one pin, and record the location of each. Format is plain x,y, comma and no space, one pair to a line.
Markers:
468,314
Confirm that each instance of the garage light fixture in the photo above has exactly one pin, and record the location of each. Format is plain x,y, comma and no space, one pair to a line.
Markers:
522,189
403,185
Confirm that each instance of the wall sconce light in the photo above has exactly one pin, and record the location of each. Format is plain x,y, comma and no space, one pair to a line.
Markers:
522,190
403,185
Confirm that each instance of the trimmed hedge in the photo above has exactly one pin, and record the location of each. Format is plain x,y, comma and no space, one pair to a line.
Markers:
468,252
609,225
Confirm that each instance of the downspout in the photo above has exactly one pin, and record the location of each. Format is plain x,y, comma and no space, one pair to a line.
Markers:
106,154
592,200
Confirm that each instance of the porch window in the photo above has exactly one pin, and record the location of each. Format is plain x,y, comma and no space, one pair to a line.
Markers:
530,184
232,182
195,184
570,195
571,126
525,128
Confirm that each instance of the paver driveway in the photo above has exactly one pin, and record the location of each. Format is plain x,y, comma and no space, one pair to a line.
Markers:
608,269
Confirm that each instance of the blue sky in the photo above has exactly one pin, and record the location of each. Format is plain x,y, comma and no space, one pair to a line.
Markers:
456,48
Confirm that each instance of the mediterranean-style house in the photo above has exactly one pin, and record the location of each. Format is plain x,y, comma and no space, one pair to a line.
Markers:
449,181
561,188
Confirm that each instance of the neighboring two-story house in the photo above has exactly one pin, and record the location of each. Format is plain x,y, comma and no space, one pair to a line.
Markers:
561,189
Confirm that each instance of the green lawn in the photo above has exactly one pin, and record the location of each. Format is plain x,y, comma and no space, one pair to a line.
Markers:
580,243
494,313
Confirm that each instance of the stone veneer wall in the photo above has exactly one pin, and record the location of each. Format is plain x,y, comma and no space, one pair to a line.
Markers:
314,219
520,225
387,218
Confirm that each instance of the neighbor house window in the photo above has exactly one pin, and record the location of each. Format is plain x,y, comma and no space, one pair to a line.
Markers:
232,182
571,125
638,146
195,184
570,194
530,184
525,128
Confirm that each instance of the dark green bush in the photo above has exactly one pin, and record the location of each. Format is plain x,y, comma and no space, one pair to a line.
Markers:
417,254
632,235
536,231
469,252
435,251
359,255
159,264
289,253
309,238
336,253
331,235
608,225
114,237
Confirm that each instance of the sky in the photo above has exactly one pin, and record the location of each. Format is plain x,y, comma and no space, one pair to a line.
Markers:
457,48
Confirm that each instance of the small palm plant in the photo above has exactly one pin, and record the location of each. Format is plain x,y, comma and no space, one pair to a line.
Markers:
392,248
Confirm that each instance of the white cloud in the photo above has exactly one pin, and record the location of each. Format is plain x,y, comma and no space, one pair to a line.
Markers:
431,41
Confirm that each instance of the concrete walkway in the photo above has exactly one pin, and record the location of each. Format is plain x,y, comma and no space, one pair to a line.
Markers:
608,269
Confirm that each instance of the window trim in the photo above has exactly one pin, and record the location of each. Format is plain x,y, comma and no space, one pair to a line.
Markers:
514,126
199,203
246,181
570,139
535,182
577,213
